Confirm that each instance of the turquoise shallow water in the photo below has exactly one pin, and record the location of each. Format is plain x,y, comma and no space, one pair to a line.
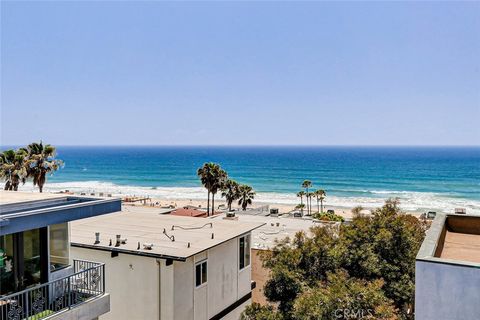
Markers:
423,177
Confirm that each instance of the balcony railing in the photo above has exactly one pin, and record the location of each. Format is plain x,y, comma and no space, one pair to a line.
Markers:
87,282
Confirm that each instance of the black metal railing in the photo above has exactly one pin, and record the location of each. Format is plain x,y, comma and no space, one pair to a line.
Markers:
87,281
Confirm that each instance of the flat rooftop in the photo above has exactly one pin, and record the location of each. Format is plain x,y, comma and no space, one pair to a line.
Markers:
274,228
11,197
20,211
147,225
461,246
452,238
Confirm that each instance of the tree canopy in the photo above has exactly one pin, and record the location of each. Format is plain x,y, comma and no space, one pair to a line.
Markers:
366,266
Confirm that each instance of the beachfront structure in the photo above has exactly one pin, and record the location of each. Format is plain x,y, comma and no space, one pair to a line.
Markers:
38,277
447,275
264,238
169,267
189,212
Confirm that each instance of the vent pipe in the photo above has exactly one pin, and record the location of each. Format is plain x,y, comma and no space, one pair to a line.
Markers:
97,237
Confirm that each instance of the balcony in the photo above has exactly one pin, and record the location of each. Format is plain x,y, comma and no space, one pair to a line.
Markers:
61,296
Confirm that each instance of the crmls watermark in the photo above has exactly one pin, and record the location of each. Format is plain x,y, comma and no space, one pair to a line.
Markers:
353,313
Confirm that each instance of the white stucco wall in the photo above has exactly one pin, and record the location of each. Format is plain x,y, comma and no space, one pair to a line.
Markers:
132,281
142,288
183,293
446,291
167,292
222,277
226,284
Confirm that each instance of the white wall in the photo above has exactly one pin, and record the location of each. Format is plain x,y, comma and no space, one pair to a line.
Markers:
225,284
222,277
131,280
183,293
141,288
166,284
446,291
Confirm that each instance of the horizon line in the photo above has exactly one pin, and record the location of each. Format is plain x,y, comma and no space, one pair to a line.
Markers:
265,145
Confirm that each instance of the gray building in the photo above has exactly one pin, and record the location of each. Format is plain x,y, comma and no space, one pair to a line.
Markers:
38,278
447,276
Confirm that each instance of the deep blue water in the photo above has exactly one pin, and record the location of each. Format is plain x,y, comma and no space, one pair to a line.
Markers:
341,170
356,172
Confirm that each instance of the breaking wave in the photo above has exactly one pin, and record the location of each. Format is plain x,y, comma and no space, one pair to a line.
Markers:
410,201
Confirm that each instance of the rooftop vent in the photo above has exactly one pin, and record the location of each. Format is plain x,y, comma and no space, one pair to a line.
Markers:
97,237
147,246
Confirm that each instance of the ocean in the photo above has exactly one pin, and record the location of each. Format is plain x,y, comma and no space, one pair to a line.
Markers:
424,178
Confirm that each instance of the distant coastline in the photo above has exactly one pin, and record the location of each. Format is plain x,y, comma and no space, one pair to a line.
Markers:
424,178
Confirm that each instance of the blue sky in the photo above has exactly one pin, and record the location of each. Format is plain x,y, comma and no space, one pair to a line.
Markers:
377,73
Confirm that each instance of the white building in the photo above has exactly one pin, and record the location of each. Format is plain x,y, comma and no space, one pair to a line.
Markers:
169,267
264,238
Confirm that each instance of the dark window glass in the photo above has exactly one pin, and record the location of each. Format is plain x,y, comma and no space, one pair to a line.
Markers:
7,280
198,275
247,250
241,252
204,272
31,256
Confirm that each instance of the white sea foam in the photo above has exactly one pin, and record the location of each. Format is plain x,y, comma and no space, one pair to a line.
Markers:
410,201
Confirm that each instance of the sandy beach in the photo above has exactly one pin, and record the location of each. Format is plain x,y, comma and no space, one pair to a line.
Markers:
345,212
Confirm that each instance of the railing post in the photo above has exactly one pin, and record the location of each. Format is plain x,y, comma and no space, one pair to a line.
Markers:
103,278
26,303
69,294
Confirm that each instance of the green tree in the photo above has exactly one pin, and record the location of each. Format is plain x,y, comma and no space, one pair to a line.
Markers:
328,216
220,176
246,194
301,194
13,168
255,311
344,297
230,192
41,161
385,246
306,184
300,206
320,194
212,178
205,173
379,249
356,211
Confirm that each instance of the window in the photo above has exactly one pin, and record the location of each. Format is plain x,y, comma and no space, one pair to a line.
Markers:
200,273
7,275
59,256
244,252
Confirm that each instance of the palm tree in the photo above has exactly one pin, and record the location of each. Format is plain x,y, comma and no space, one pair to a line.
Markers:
321,196
230,192
219,178
12,168
309,198
300,195
212,177
206,177
246,195
307,184
300,206
41,160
